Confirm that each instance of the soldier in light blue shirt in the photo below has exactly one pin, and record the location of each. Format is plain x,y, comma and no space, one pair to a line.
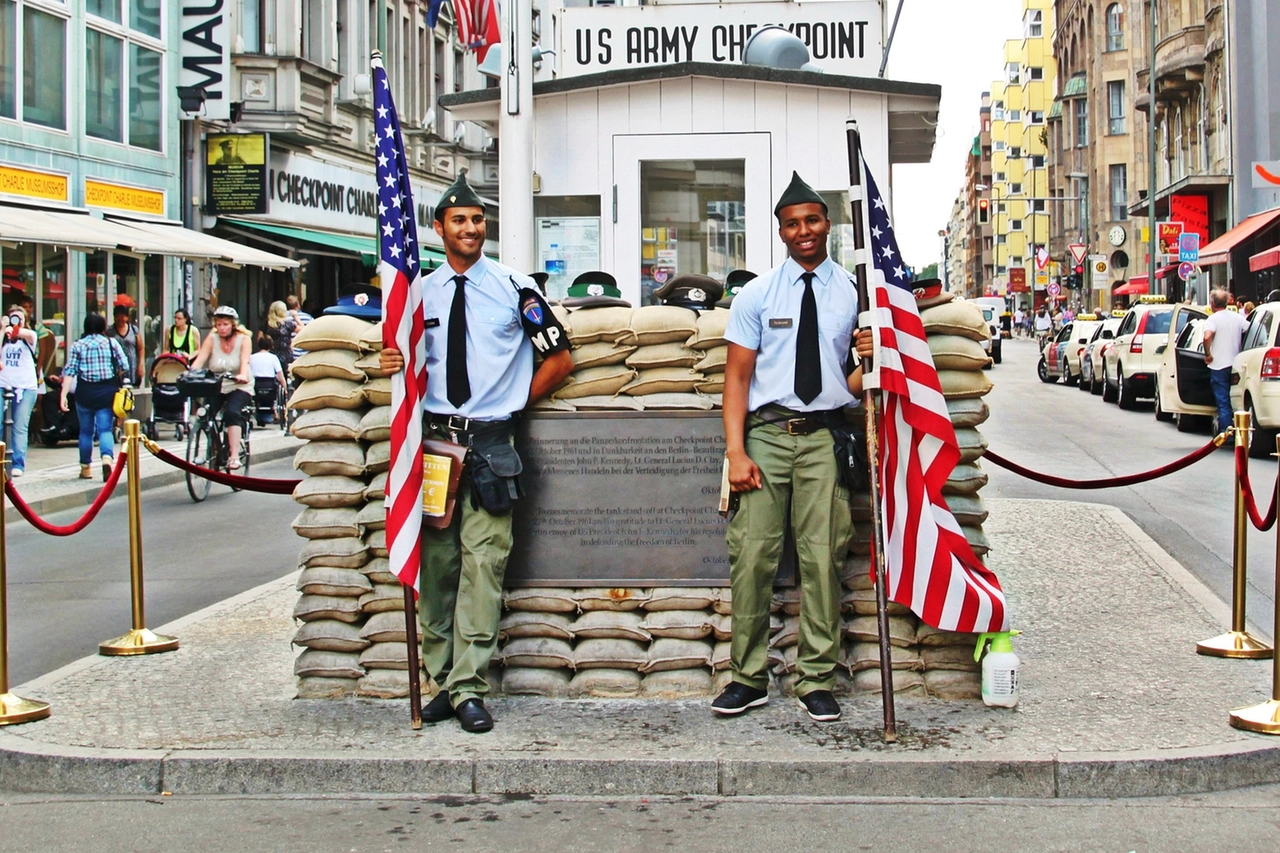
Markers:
483,321
789,373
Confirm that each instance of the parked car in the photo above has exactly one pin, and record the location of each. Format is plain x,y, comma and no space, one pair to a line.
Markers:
1091,360
1050,367
995,346
1183,394
1072,344
1129,366
1254,375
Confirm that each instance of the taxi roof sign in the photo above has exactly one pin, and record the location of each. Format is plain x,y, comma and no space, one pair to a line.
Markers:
1152,299
1119,312
1086,316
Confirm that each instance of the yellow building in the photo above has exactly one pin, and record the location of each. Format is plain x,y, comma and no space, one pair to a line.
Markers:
1019,186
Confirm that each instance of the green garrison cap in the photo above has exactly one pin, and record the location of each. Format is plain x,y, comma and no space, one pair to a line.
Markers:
595,283
798,192
459,194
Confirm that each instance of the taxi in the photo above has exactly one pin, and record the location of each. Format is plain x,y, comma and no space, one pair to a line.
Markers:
1254,378
1050,367
1183,394
1091,359
1129,365
1072,346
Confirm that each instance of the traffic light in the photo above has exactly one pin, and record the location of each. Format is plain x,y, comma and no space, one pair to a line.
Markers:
984,207
1075,281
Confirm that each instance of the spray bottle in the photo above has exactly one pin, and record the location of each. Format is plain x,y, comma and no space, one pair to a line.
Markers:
999,669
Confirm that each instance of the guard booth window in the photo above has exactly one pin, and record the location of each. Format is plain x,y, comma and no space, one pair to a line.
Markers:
692,220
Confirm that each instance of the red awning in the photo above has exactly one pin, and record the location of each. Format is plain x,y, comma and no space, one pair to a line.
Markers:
1135,285
1219,250
1265,260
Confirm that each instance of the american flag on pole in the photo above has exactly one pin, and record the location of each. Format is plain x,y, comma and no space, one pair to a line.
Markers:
402,328
478,26
930,566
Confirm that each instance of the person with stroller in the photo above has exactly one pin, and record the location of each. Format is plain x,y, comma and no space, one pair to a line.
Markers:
20,379
183,338
97,363
268,375
227,351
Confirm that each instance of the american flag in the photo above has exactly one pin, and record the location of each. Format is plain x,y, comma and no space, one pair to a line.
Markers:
402,328
930,566
478,25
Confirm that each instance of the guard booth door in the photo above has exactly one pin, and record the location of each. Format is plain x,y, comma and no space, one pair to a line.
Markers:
690,203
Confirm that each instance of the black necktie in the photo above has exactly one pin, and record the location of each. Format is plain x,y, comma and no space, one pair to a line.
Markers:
458,385
808,363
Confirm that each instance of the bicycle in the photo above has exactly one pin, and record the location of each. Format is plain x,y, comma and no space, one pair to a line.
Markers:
207,444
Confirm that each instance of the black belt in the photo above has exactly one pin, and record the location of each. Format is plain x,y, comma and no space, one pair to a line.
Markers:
466,428
795,423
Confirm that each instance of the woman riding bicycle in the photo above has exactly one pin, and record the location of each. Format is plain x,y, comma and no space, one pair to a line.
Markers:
227,351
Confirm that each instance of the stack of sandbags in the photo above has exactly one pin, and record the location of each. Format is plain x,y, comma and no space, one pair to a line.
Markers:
609,643
654,357
345,417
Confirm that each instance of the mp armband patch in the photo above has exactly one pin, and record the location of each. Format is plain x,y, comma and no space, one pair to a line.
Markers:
541,326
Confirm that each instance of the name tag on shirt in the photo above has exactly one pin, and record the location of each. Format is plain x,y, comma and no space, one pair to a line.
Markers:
780,323
431,322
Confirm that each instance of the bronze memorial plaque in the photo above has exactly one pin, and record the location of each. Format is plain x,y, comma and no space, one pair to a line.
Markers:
620,499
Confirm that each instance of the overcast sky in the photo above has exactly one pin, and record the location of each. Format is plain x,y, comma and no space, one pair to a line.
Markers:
958,44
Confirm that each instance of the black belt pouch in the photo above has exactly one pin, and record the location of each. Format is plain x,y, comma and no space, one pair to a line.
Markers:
495,472
851,454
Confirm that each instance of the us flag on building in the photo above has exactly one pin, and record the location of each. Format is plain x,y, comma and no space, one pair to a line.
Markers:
478,25
931,568
402,328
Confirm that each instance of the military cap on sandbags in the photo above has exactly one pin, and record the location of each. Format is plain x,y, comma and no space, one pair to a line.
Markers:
594,289
459,194
359,300
540,279
798,192
929,292
734,282
691,290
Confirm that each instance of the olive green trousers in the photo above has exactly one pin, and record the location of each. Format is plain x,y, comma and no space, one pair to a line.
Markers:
799,470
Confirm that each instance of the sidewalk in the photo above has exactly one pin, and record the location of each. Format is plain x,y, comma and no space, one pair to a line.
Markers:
1115,703
51,481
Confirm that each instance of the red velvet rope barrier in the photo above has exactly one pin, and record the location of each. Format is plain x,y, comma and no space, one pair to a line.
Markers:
83,521
1109,482
251,484
1246,487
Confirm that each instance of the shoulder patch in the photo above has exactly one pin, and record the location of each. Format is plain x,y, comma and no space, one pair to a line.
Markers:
532,310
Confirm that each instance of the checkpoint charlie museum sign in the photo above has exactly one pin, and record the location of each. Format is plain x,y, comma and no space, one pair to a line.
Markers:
843,38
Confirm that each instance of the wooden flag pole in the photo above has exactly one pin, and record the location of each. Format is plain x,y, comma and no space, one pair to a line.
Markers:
411,639
871,406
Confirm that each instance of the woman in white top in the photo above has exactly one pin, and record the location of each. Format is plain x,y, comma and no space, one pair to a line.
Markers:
227,351
18,373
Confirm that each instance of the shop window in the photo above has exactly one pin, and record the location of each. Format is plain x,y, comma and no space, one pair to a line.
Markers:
107,9
19,265
144,16
95,282
52,307
8,59
102,76
567,231
145,113
44,69
692,220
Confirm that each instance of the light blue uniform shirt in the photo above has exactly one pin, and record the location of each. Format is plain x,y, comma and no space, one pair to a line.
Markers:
499,356
765,316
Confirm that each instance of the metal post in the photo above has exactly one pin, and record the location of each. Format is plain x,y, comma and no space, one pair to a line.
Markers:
870,404
13,709
411,644
139,641
1238,643
1265,716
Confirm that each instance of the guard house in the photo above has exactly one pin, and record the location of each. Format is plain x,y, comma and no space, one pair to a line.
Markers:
655,169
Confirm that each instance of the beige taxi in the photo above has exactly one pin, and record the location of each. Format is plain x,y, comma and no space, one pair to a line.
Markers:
1183,394
1129,366
1091,360
1255,378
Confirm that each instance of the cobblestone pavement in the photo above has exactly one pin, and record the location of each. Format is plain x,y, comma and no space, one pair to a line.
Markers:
1109,667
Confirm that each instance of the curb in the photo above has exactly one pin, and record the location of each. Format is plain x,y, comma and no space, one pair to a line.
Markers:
83,498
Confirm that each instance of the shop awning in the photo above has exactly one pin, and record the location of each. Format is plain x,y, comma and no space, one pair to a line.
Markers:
1219,251
74,230
1265,260
366,247
1134,286
186,243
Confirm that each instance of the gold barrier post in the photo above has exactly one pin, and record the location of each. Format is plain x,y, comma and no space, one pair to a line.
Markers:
1264,717
1238,642
139,641
13,709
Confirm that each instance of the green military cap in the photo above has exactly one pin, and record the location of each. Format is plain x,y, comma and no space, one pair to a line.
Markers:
459,194
734,282
595,283
798,192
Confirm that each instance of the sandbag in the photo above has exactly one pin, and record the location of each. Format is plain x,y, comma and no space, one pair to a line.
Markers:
385,598
386,684
372,516
673,354
313,663
965,480
527,623
955,352
531,681
614,598
375,425
377,392
332,331
862,656
537,652
603,403
378,571
600,354
660,324
675,400
541,598
666,654
608,624
676,684
378,457
956,318
904,681
610,653
967,509
961,384
788,636
595,381
331,424
327,580
370,339
711,328
972,444
340,458
325,688
968,411
377,488
370,365
328,364
329,635
376,540
927,635
712,361
309,608
327,394
589,325
865,629
680,624
952,684
661,380
385,627
681,598
950,657
345,552
388,655
605,684
330,523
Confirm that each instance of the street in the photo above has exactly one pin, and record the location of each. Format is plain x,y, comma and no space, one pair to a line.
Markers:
1063,431
67,594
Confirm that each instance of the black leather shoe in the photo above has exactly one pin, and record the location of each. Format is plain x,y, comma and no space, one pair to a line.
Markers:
821,705
473,716
438,709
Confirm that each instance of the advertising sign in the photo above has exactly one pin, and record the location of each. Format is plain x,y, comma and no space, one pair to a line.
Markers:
1192,210
842,37
235,173
205,54
1167,237
1018,280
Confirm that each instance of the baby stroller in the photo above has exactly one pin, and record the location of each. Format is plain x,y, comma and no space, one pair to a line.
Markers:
267,397
168,404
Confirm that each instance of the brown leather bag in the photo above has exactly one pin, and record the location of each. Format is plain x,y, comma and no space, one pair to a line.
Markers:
456,454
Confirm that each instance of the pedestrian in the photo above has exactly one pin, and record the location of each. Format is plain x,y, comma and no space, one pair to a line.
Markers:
1223,332
183,338
483,320
126,333
279,330
227,351
98,365
300,317
787,378
268,375
1018,317
19,376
